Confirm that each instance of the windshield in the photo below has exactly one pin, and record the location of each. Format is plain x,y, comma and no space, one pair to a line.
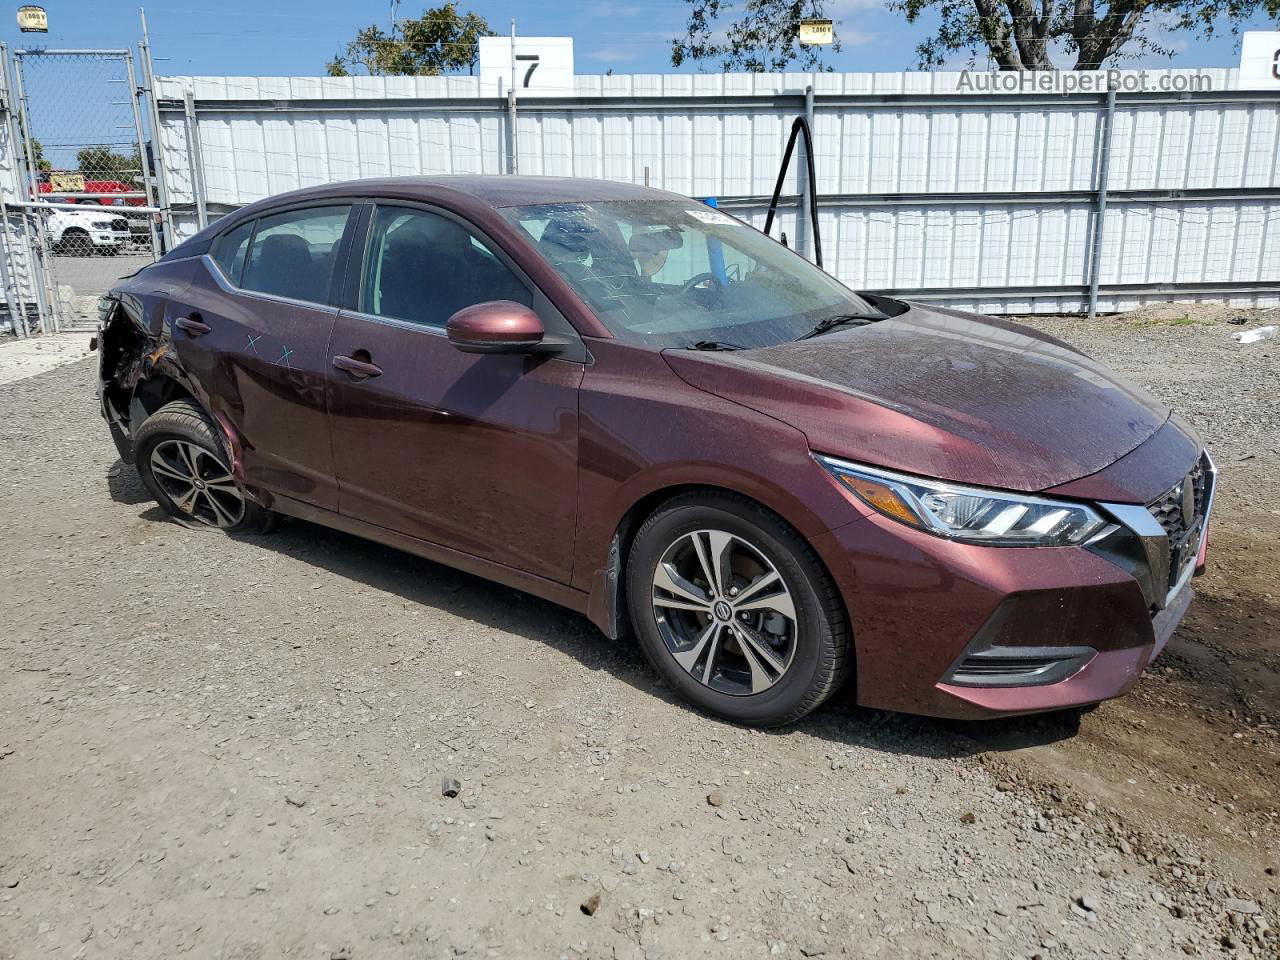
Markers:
677,273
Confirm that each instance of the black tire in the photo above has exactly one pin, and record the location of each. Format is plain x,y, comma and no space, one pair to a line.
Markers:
166,437
76,242
820,649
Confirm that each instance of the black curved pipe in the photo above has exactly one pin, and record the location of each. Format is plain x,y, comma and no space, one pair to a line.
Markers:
800,124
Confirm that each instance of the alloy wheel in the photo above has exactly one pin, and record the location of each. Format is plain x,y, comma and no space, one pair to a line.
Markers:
725,612
76,244
199,484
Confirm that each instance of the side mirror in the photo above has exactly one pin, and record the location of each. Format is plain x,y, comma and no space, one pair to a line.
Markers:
498,326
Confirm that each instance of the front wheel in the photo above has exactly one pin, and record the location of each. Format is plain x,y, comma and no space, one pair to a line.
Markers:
735,611
76,243
182,463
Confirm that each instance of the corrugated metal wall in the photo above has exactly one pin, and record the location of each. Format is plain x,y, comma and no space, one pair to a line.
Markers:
982,201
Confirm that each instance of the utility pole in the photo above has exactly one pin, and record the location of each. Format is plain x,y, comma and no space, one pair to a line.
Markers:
514,165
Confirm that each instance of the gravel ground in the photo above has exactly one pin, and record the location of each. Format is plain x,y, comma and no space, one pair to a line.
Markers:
239,748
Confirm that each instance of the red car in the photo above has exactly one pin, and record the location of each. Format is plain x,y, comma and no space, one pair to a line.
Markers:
643,409
94,192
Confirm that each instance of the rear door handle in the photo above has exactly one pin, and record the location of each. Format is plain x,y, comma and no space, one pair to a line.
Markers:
192,325
359,369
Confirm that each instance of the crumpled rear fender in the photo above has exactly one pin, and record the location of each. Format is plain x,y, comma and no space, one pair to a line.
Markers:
139,372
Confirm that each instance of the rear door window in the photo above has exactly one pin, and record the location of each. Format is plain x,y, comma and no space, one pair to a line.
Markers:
229,251
294,254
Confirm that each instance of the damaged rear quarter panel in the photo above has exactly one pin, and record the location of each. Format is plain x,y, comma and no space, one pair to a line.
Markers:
138,367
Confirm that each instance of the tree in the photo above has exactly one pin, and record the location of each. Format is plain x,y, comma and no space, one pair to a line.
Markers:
440,40
1016,34
101,163
766,38
1019,34
40,160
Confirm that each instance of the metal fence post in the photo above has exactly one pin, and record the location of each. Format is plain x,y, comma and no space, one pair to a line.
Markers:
513,160
37,265
134,92
24,122
195,156
162,183
1100,213
804,231
12,286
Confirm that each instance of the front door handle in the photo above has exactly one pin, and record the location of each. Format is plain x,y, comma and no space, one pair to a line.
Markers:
360,369
192,325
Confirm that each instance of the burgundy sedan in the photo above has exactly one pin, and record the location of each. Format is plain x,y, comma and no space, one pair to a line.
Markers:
641,408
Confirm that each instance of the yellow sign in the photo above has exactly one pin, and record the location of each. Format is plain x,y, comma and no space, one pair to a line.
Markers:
32,20
816,32
63,182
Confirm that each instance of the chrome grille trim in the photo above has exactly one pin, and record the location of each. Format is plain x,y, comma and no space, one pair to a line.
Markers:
1160,524
1169,507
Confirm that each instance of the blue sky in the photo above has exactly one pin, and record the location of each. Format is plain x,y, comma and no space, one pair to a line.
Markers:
292,37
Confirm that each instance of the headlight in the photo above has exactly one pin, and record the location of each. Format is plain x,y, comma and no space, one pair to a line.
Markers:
101,224
967,514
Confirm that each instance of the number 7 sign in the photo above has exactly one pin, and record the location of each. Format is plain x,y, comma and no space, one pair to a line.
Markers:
533,60
541,67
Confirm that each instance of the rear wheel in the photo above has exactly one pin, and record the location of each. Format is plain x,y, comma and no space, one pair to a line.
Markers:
182,462
735,611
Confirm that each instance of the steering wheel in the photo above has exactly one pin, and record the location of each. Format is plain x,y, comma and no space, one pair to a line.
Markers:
697,283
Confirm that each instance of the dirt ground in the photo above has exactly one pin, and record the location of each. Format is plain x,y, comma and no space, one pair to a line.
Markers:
235,747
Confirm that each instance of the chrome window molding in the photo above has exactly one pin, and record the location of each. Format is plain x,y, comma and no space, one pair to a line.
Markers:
431,328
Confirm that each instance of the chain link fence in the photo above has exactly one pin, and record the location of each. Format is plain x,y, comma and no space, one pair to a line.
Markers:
88,173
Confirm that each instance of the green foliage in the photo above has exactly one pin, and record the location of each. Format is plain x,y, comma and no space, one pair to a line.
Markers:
439,41
100,163
41,161
1018,34
765,38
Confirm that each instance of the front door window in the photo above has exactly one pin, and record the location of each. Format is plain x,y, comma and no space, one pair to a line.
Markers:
423,268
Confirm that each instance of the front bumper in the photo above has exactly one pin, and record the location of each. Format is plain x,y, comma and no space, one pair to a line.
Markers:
956,630
109,238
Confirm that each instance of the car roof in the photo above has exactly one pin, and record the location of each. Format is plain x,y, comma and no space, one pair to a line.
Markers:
492,190
475,195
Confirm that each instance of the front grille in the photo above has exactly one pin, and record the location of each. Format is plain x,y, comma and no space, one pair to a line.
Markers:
1181,517
120,225
1168,507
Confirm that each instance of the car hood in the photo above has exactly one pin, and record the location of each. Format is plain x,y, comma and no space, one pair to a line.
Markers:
943,394
82,218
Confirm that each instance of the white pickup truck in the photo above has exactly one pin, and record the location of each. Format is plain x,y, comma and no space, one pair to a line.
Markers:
82,233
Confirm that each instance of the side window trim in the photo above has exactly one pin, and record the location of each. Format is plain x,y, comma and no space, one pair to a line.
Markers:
350,232
353,267
557,323
253,235
215,249
497,251
337,282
